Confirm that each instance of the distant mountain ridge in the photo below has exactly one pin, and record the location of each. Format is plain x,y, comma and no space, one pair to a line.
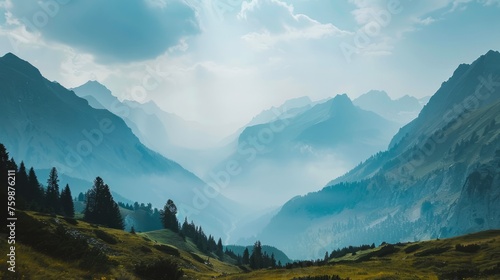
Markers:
273,155
440,177
401,110
46,125
160,131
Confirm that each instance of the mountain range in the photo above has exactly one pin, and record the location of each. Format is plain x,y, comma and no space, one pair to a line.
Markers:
166,133
401,110
301,147
49,126
440,177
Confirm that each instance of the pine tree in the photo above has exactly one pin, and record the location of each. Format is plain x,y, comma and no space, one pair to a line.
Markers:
4,167
52,201
256,256
132,230
246,256
35,191
67,202
81,197
220,249
22,191
100,207
168,218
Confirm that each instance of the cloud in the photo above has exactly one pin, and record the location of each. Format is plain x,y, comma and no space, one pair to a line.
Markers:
277,22
425,21
113,30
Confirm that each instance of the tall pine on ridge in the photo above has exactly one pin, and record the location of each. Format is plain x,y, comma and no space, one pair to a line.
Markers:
101,208
52,193
67,202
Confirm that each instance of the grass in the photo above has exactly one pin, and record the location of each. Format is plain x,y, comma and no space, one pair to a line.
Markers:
438,263
126,251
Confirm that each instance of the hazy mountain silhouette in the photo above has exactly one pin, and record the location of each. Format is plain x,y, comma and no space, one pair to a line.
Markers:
46,125
439,178
401,110
326,139
161,131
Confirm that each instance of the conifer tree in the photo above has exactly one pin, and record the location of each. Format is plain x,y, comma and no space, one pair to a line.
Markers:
67,202
100,207
220,249
52,201
256,256
168,218
22,191
35,191
246,256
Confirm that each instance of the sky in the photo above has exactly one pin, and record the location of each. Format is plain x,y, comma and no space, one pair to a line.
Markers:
221,62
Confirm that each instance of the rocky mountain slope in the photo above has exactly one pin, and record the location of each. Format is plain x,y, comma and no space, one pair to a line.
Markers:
439,178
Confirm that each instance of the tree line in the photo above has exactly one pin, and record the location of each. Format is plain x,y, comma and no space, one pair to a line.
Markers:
100,207
30,194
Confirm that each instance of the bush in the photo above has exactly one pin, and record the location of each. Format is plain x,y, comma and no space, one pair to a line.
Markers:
323,277
460,274
432,251
167,250
160,269
71,221
471,248
145,249
106,237
412,248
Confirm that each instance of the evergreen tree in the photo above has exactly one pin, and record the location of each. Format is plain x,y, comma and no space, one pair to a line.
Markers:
220,249
81,197
246,256
22,187
100,207
4,167
132,230
67,202
256,257
168,218
52,194
35,191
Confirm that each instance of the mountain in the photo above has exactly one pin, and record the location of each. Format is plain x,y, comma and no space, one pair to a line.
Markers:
290,107
439,178
281,158
46,125
401,110
164,132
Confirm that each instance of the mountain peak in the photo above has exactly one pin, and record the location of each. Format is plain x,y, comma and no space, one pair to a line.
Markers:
13,61
342,99
93,84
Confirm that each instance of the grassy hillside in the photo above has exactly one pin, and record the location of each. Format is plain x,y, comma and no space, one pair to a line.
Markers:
60,249
52,247
436,259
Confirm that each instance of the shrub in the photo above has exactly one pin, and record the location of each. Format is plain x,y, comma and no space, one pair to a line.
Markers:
471,248
412,248
432,251
106,237
160,269
167,250
71,221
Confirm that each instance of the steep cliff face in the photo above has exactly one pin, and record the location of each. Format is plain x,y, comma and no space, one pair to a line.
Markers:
477,208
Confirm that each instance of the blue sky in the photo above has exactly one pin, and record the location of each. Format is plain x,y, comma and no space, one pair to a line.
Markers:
223,61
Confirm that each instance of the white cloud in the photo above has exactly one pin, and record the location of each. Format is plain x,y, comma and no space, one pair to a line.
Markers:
425,21
277,22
